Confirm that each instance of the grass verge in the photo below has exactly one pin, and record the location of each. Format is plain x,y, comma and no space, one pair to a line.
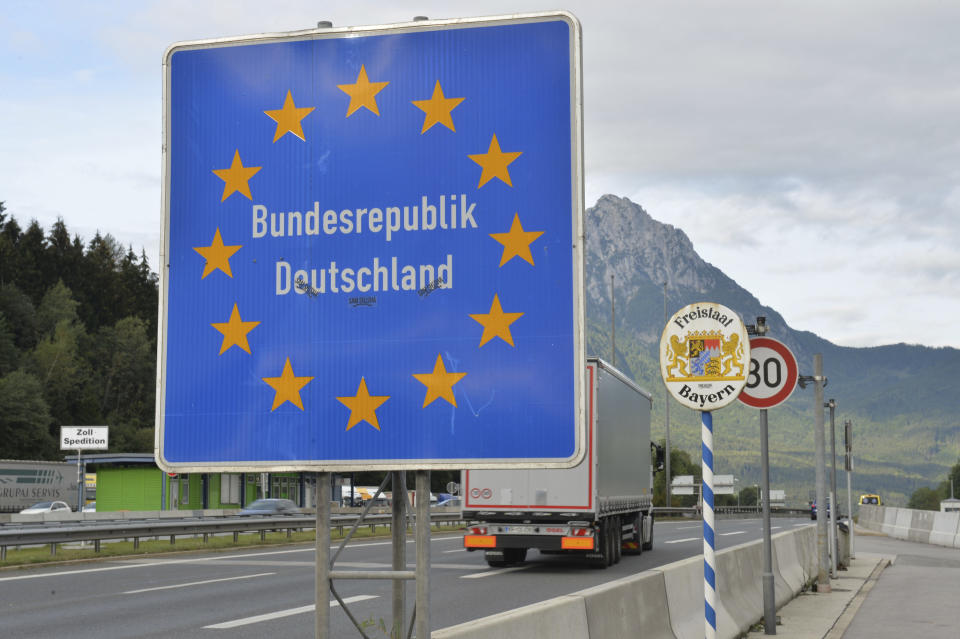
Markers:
20,557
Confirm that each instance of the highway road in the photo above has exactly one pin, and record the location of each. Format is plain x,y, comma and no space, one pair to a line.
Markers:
270,591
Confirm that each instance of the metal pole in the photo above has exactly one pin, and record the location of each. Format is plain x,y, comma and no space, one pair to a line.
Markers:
834,531
322,576
769,598
79,482
850,512
423,554
666,403
823,567
399,526
709,555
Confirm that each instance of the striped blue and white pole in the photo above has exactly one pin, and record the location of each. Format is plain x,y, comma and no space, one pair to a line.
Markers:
709,555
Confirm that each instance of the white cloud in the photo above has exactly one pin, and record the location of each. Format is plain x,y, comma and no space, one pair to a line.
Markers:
803,147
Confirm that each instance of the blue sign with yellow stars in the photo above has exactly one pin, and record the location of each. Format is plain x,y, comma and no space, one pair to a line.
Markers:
373,249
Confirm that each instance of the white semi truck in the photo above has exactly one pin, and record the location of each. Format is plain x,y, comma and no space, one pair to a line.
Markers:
598,509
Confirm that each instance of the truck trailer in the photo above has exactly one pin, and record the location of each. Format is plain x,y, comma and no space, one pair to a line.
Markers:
599,509
24,483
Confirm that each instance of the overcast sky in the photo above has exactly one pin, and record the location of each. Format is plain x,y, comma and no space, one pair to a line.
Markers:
810,150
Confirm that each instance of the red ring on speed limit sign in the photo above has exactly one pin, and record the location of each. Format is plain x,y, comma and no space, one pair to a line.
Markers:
773,385
486,493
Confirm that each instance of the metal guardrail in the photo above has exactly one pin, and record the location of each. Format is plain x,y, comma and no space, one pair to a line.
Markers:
54,533
693,511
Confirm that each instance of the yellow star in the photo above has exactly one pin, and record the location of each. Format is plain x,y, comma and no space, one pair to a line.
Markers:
287,387
439,383
289,118
235,331
363,406
494,163
235,178
517,242
496,323
217,255
362,93
437,109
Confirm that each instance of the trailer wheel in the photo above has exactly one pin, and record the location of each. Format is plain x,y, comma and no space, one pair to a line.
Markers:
636,543
495,558
602,558
648,545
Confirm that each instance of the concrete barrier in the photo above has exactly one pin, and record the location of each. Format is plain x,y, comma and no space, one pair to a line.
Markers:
921,524
558,617
740,585
619,608
888,527
665,603
946,530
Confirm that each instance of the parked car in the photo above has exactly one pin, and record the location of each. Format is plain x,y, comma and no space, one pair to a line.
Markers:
271,507
47,507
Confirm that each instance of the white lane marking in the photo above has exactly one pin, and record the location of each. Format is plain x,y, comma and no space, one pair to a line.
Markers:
198,583
226,625
775,527
684,527
447,552
491,573
735,532
680,541
795,525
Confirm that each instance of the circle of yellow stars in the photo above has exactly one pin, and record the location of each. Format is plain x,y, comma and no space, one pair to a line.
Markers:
496,323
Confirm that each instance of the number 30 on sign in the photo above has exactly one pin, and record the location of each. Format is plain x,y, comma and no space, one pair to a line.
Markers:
772,375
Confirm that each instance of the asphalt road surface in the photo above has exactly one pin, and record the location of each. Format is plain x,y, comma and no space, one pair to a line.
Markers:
269,592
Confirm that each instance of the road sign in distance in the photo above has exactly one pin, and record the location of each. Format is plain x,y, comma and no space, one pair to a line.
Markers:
772,374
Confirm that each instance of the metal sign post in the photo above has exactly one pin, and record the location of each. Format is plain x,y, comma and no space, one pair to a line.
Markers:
848,466
704,352
823,564
773,376
832,504
80,438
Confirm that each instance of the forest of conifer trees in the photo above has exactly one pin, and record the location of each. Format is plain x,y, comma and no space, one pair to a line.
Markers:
78,331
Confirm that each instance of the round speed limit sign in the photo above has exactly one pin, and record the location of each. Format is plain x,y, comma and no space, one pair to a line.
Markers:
772,374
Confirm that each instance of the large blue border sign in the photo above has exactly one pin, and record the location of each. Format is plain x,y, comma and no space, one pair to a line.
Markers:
372,249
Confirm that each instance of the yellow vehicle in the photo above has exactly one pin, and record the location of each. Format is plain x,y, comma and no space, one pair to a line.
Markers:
871,500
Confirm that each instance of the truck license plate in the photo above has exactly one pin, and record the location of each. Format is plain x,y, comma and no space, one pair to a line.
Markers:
519,530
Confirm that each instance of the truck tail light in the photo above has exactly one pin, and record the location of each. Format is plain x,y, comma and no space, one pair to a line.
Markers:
478,530
479,541
576,543
580,532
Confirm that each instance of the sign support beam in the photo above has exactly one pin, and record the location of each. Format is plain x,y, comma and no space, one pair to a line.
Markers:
769,598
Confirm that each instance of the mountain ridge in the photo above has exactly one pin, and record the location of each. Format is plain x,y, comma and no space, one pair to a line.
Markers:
906,433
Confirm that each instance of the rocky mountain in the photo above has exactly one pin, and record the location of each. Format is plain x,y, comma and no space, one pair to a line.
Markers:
906,423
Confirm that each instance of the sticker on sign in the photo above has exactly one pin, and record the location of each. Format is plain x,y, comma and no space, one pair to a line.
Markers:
772,375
